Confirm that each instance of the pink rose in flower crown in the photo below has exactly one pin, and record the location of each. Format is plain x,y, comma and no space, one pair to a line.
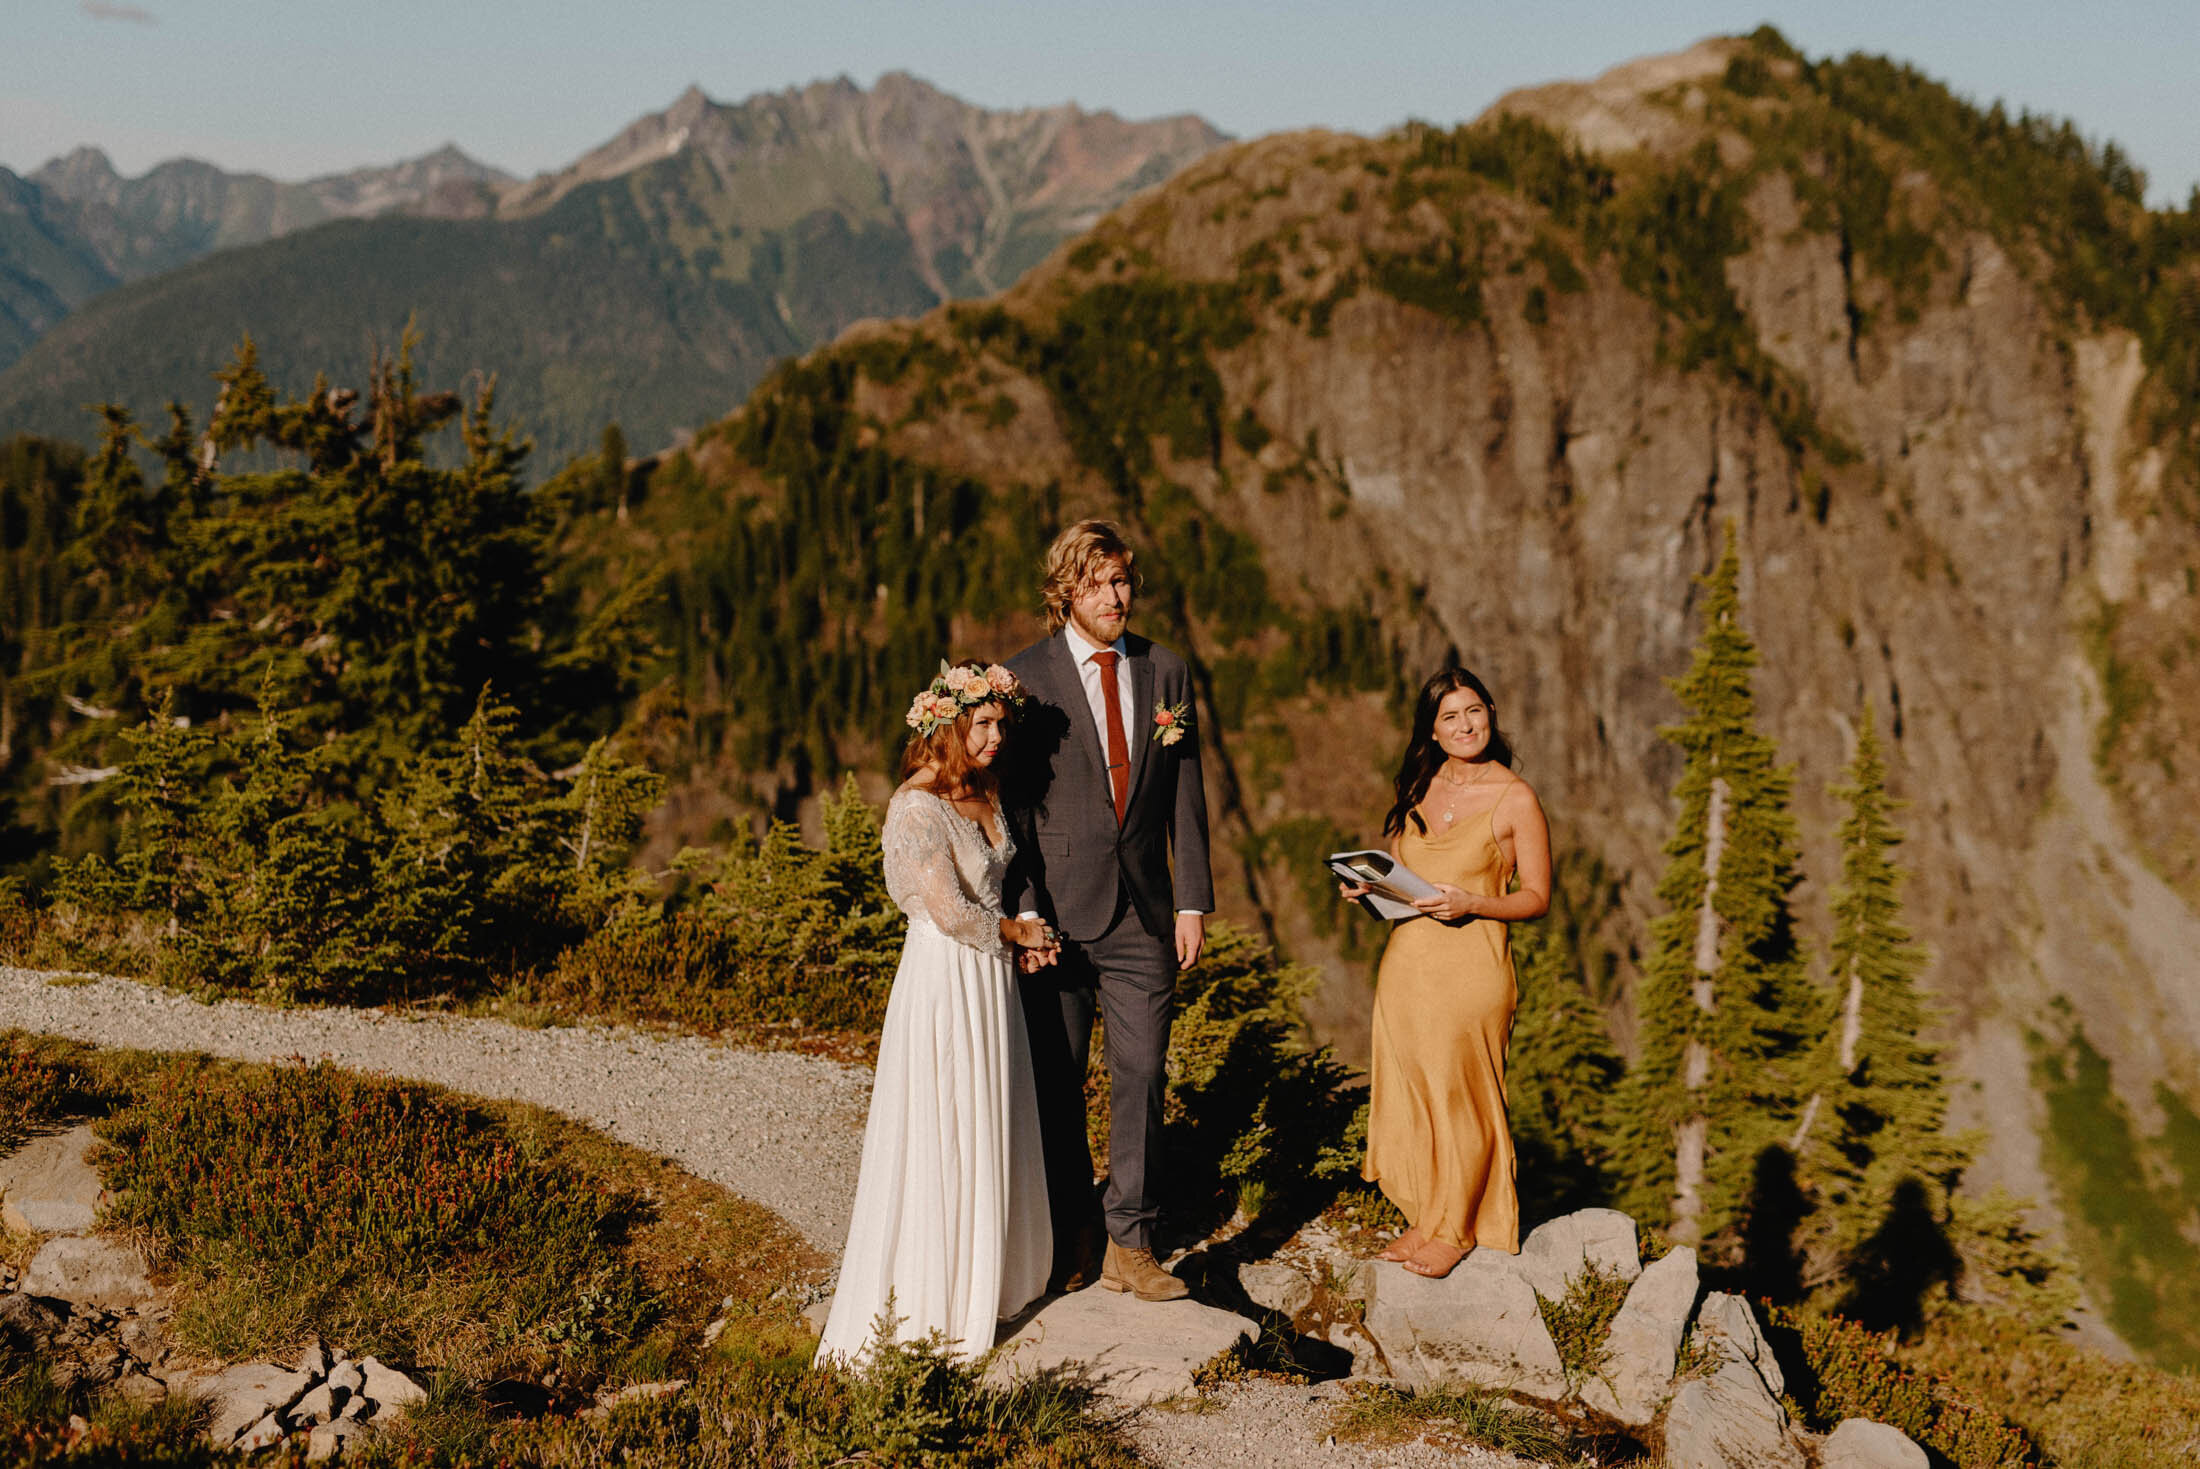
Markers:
1001,681
971,684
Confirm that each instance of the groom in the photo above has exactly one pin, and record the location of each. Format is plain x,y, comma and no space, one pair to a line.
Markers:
1104,787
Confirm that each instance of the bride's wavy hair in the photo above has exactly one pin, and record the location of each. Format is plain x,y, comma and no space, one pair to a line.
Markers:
1424,757
947,748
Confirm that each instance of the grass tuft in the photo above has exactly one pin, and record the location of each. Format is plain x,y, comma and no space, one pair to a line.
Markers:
1395,1415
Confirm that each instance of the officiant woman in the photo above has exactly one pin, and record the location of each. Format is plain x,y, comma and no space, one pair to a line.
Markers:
1437,1137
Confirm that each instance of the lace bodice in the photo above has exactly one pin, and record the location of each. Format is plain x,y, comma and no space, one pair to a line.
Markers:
940,868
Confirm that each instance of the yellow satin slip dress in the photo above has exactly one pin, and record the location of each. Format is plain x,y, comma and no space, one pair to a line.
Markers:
1437,1136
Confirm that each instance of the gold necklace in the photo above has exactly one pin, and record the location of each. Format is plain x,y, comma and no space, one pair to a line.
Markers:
1451,801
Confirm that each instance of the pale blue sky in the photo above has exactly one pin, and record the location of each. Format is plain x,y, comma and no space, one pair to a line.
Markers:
299,88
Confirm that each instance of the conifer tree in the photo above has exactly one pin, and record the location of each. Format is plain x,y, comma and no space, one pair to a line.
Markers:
1559,1076
1877,1116
1724,1007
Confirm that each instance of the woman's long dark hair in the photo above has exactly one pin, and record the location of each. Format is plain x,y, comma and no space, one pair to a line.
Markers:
1424,757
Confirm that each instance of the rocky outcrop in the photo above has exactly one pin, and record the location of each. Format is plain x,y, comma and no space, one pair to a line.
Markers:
1645,1340
1137,1352
1479,1325
1474,1328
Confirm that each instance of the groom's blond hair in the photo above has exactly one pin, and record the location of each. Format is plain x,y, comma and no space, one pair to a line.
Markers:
1075,555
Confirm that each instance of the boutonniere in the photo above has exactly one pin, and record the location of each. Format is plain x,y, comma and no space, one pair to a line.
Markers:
1170,721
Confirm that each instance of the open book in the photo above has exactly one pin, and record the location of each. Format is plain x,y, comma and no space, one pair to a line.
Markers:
1395,884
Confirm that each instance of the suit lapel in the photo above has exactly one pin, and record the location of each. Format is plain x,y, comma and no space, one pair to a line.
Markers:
1140,734
1069,697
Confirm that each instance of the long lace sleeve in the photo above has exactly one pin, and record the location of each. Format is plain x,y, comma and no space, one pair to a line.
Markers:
921,875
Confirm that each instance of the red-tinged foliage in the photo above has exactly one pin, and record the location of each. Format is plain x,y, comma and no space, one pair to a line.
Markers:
1850,1372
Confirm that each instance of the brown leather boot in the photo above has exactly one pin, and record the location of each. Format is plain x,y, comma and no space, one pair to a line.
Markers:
1136,1271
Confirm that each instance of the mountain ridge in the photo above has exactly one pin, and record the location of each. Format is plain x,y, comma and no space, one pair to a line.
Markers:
717,240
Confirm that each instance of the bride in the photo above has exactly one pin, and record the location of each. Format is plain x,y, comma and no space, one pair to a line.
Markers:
950,1232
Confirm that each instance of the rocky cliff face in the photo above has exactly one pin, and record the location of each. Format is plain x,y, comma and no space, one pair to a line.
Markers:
1502,402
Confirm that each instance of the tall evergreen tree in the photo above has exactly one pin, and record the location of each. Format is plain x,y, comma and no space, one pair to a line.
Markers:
1724,1007
1876,1119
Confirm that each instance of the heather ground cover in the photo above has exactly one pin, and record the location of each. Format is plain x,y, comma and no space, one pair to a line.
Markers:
517,1262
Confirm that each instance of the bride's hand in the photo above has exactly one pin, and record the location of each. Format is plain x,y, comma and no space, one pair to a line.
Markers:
1353,889
1448,903
1027,933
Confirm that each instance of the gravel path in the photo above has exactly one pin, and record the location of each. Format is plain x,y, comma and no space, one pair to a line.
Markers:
1269,1425
783,1129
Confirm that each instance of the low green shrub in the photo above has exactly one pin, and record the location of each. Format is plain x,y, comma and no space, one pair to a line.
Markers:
1580,1323
36,1086
1256,1116
1849,1372
911,1404
778,935
2082,1407
305,1198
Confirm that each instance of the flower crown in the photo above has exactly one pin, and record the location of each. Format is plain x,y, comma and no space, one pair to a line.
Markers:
958,688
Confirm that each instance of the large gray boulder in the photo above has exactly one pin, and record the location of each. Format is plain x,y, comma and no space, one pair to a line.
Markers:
1137,1351
1733,1418
46,1187
1644,1343
1559,1249
1859,1443
1479,1326
1276,1287
90,1270
1728,1421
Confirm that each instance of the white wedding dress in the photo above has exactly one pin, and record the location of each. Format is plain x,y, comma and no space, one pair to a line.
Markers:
951,1203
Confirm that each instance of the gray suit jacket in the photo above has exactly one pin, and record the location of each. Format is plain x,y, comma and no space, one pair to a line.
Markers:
1074,863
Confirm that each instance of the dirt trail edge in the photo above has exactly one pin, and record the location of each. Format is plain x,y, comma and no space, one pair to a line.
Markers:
783,1129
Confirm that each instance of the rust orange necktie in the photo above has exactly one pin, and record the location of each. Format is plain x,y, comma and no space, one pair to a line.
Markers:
1119,750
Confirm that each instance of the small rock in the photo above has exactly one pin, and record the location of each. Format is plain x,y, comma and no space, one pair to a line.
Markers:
1645,1341
1139,1351
1276,1287
145,1340
242,1394
313,1361
346,1377
1559,1249
815,1313
391,1390
263,1434
327,1441
1478,1326
1728,1421
46,1187
316,1407
140,1389
715,1330
1859,1443
86,1268
1367,1358
27,1324
639,1392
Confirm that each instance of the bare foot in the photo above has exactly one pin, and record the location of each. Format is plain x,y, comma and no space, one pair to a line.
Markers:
1435,1259
1401,1249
